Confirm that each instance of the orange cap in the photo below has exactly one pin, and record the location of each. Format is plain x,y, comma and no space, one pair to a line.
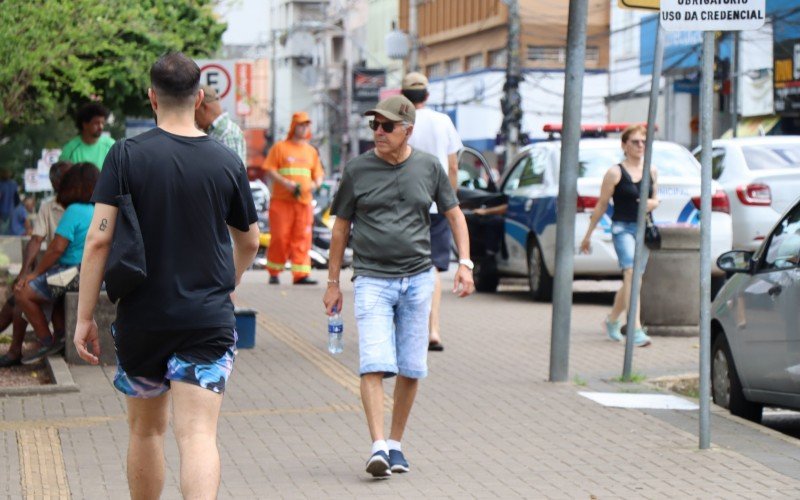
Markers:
299,117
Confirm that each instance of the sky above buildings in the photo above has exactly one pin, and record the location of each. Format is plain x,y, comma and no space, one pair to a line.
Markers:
247,20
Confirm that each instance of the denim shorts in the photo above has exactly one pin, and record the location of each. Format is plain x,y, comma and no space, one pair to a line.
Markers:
441,238
623,234
392,320
39,284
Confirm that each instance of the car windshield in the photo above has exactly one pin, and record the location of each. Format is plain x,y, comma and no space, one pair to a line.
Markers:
772,156
670,161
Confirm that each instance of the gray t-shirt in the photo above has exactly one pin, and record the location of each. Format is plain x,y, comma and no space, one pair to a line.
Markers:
388,205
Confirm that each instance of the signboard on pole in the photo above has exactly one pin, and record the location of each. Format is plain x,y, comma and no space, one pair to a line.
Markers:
712,15
367,85
220,75
639,4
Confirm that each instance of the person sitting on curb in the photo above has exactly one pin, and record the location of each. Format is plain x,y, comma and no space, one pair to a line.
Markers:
44,230
32,293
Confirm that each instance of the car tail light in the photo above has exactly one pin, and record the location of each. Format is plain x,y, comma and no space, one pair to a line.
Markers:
754,194
586,203
719,202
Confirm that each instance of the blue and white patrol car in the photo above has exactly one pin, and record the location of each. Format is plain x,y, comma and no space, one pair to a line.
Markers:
528,228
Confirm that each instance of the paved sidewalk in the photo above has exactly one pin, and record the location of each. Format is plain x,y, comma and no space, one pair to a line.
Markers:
486,423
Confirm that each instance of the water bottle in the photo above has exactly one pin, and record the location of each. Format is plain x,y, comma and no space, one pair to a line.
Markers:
335,331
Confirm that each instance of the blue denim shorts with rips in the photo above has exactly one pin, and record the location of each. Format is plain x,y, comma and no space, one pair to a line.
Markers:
392,320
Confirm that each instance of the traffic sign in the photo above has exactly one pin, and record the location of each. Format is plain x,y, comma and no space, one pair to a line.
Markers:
219,74
712,15
639,4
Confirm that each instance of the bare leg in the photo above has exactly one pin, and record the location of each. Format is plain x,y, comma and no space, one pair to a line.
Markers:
147,420
6,314
30,303
58,320
405,390
436,300
17,335
196,413
372,399
622,297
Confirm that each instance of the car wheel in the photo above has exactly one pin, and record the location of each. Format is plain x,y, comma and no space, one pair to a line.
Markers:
485,275
726,388
539,280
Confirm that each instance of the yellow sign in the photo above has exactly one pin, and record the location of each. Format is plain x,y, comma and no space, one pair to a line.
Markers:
639,4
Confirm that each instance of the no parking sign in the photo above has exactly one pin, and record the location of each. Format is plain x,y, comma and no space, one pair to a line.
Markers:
219,73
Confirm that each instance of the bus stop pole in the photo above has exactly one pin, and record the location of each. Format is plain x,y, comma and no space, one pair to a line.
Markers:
568,191
644,187
706,131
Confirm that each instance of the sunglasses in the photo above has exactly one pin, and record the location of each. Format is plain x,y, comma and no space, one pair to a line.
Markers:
387,127
637,142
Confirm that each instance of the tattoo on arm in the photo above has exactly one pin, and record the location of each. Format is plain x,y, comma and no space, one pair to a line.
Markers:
103,224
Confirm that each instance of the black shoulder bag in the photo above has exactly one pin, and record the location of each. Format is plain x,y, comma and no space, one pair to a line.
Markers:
126,267
652,237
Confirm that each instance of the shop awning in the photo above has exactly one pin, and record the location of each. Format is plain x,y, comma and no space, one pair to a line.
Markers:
753,126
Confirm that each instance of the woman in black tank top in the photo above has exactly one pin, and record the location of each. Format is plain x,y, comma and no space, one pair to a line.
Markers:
621,184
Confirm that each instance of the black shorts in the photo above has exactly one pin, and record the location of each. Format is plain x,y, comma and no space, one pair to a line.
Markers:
441,238
147,354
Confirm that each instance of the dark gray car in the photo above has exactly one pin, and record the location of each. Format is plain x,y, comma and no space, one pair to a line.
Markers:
755,326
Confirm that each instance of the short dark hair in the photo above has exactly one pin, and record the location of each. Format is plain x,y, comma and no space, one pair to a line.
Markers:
175,78
78,183
88,111
416,96
57,171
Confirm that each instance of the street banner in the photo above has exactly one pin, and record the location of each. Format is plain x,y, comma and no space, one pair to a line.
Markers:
787,72
712,15
244,87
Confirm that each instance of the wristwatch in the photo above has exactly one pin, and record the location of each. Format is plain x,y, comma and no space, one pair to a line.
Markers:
467,263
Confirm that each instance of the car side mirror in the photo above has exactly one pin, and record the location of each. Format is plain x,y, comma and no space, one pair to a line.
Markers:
736,261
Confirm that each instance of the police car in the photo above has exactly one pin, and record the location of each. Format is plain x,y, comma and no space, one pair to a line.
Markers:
522,241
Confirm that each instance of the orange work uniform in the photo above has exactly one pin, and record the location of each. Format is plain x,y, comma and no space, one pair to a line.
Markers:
291,217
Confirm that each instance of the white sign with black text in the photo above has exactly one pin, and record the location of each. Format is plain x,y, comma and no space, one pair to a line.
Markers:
712,15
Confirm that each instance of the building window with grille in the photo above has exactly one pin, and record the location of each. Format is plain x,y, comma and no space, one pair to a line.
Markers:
434,70
474,62
498,58
452,66
553,54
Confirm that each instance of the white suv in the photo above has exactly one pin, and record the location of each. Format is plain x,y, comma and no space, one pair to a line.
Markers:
761,176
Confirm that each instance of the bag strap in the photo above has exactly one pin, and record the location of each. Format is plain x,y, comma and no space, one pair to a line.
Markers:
122,174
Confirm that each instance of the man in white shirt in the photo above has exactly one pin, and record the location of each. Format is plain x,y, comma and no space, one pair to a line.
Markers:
435,134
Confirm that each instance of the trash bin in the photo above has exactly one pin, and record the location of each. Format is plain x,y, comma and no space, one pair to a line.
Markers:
670,293
245,328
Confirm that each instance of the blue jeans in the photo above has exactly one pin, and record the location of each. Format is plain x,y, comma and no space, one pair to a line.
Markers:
392,320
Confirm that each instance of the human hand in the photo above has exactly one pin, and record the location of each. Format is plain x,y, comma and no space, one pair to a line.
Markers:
333,298
463,284
86,335
22,283
586,246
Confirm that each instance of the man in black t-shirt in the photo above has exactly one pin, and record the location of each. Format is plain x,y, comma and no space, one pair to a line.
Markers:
175,330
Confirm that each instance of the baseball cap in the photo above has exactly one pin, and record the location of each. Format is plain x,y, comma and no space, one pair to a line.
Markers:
210,92
396,108
415,81
301,117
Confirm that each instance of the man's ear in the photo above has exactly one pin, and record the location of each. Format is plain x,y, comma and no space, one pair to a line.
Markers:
198,100
151,94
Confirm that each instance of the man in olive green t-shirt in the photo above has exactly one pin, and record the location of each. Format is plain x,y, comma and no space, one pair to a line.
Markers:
90,145
386,193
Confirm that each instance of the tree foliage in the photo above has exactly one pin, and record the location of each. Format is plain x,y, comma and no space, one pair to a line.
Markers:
57,54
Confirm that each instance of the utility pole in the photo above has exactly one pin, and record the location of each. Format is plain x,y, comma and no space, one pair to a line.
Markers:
413,56
734,76
273,66
511,102
568,191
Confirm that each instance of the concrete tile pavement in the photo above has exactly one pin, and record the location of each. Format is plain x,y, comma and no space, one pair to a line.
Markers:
486,423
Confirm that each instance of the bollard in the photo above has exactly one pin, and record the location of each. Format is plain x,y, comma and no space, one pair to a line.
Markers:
670,284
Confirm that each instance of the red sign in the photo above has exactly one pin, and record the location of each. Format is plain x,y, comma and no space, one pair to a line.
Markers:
244,87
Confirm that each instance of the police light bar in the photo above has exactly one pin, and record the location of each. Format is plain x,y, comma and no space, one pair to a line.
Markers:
597,128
